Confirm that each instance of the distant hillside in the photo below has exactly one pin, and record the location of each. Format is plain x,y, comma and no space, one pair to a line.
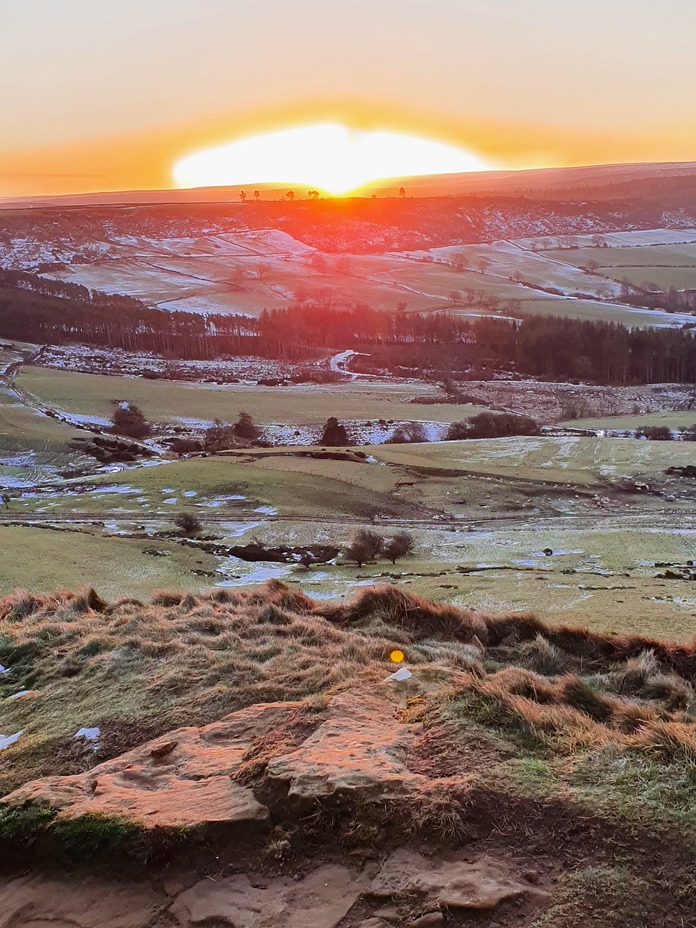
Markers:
672,182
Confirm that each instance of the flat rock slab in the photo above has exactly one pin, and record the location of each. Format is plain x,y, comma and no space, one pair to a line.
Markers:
320,900
38,902
361,749
183,778
451,884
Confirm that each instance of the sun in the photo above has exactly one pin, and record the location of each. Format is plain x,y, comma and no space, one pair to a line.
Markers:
332,158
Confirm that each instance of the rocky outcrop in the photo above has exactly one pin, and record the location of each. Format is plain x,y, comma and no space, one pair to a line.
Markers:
355,747
184,778
360,749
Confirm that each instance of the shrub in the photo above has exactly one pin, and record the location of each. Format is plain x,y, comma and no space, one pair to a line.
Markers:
409,433
128,419
493,425
397,546
654,433
246,428
219,437
334,433
188,523
364,546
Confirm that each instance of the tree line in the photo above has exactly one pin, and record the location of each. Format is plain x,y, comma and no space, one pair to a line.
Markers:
37,310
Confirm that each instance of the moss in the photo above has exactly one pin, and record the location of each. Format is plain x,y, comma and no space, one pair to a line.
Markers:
19,826
100,836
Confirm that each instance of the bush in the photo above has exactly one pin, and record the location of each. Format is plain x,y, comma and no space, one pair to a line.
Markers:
364,546
654,433
246,428
188,524
219,437
398,546
493,425
409,433
334,433
689,434
128,419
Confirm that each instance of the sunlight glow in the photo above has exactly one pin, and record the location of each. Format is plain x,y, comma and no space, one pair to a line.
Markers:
329,157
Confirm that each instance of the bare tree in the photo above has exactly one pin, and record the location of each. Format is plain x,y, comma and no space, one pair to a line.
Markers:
364,546
400,545
188,524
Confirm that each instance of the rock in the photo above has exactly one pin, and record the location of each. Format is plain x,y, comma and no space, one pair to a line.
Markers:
161,750
429,920
449,883
321,899
37,902
178,780
360,749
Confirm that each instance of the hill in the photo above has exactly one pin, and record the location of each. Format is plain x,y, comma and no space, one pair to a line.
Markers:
242,760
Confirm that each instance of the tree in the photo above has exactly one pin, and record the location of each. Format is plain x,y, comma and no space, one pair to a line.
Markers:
257,195
455,297
334,434
492,425
128,419
364,546
6,498
592,266
246,428
242,196
402,192
399,545
219,437
409,433
313,194
188,523
290,196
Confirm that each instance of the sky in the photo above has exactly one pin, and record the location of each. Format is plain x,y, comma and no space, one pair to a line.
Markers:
110,94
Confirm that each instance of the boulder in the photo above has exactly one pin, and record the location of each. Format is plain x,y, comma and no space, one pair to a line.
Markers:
180,779
321,899
450,883
360,750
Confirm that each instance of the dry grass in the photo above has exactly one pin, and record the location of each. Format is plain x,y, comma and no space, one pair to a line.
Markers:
138,669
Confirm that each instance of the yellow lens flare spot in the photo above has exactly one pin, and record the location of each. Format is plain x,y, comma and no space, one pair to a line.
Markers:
330,157
396,656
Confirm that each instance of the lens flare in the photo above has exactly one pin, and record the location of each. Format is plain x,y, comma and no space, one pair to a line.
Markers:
331,158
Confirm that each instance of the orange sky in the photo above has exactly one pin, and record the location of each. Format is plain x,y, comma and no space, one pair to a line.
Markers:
99,95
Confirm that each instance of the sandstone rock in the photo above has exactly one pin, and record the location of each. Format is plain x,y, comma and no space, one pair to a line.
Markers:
429,920
39,902
319,900
177,780
359,749
449,883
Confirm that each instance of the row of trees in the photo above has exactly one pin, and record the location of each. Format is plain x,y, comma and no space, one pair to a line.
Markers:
39,311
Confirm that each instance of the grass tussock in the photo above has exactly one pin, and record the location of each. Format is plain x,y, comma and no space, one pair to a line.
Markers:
137,669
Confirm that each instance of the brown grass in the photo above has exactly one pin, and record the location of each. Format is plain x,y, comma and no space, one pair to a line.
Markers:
185,659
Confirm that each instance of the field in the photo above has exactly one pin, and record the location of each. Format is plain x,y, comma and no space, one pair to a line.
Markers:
251,270
91,395
481,513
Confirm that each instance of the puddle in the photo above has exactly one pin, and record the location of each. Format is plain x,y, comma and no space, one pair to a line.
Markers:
258,573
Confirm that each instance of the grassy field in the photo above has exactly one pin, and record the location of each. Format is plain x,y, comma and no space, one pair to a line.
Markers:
92,394
570,460
481,514
249,272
